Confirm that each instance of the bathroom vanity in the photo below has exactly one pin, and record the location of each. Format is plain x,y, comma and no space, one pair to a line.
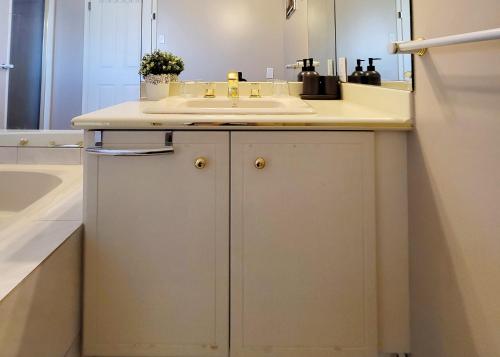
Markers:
246,236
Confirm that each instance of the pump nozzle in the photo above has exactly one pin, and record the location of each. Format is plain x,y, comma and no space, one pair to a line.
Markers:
371,67
304,62
311,64
359,67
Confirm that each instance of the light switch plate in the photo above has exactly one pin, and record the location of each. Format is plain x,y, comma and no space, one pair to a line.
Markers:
270,73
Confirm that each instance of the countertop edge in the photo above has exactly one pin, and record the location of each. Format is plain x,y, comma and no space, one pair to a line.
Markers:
373,125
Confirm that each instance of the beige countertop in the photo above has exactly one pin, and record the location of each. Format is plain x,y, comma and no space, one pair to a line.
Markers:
362,108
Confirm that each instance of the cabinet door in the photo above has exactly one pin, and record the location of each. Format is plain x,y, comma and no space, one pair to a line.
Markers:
303,279
156,248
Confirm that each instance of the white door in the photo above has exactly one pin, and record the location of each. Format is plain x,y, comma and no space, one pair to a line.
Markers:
112,53
157,248
303,266
5,19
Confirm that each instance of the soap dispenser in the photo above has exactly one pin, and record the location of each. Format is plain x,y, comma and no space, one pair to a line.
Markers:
311,79
300,77
311,65
311,70
372,77
358,74
240,77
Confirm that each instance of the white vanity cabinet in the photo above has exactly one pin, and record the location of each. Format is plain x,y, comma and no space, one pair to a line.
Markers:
156,247
303,254
275,244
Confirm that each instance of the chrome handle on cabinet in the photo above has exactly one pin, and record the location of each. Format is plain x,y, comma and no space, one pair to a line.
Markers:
6,66
66,146
99,150
260,163
78,145
129,152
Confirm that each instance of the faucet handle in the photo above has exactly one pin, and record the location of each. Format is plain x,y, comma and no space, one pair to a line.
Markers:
210,90
255,90
232,76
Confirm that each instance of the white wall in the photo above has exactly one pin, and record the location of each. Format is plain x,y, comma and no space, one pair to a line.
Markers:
321,29
296,37
454,171
364,29
216,36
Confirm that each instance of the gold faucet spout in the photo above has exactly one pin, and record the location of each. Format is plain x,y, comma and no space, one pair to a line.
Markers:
233,87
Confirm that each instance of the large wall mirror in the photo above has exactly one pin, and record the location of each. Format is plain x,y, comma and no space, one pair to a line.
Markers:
251,36
41,63
59,59
363,30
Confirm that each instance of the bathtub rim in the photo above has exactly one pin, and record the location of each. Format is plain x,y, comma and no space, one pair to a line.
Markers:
37,231
70,175
40,138
50,183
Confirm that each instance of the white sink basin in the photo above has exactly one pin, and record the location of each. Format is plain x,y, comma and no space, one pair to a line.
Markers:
228,106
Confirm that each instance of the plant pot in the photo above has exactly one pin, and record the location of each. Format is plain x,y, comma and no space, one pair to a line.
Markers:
157,91
158,86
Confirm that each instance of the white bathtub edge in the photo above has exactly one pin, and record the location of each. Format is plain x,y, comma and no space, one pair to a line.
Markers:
40,138
31,238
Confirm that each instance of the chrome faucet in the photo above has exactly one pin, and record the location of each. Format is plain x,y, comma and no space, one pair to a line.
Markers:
233,87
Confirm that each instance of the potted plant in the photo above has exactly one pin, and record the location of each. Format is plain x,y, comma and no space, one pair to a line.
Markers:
159,69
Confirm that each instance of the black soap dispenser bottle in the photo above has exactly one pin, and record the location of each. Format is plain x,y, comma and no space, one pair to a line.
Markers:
300,77
358,74
311,79
311,70
372,77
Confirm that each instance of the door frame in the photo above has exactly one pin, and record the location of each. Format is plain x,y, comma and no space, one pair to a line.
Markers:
47,64
149,33
403,23
3,115
86,45
148,43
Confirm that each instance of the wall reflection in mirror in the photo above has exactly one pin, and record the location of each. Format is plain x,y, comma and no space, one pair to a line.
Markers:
251,36
60,59
41,46
364,28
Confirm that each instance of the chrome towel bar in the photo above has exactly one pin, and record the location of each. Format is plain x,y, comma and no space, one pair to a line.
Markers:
420,46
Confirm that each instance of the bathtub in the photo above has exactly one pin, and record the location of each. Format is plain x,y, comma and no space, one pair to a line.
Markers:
40,207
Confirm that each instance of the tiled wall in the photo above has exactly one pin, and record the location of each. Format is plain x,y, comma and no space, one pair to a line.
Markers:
40,155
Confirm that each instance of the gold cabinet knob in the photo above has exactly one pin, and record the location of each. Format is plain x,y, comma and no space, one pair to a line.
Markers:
260,163
200,163
23,142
